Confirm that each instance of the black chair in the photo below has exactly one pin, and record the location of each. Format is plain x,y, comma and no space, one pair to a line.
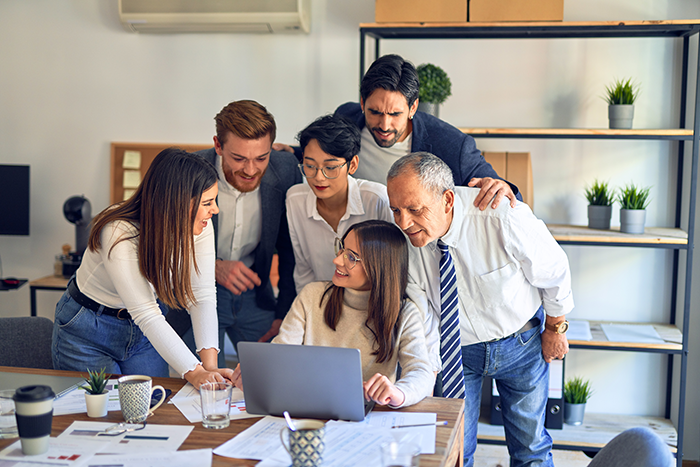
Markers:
26,342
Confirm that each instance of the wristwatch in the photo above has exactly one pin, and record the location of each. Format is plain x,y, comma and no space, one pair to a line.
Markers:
559,328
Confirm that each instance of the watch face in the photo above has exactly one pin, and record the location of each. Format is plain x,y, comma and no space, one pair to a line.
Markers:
563,327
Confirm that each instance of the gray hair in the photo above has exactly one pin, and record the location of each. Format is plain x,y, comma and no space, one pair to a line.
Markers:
434,175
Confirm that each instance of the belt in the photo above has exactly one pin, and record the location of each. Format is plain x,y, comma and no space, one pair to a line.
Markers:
533,323
91,304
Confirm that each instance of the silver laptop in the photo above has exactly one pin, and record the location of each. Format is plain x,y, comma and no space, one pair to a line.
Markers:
60,384
307,381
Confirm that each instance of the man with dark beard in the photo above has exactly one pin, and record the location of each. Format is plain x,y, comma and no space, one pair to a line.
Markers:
251,224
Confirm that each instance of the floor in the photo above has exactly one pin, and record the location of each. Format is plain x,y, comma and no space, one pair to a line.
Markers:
488,455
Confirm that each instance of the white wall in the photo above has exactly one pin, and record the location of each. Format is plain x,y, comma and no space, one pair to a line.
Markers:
72,80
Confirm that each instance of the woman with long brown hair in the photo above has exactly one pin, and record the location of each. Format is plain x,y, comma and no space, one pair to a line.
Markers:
365,307
158,244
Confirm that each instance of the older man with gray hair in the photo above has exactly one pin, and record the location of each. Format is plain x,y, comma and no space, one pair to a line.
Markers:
486,280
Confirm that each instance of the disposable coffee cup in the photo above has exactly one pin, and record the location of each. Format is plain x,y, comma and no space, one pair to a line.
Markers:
34,414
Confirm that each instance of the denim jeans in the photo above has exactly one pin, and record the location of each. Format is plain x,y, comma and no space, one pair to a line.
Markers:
522,378
84,339
239,317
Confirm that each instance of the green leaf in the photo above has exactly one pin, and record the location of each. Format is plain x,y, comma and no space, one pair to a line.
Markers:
599,194
633,197
621,92
97,381
435,85
577,391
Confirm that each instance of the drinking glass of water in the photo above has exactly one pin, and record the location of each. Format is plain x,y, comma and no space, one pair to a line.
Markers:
216,404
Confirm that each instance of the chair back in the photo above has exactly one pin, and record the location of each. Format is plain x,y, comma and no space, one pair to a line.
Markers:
26,342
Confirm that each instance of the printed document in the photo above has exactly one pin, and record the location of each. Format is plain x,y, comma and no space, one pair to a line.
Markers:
151,438
188,402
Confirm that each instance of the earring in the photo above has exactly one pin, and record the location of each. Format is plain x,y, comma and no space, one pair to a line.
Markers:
410,117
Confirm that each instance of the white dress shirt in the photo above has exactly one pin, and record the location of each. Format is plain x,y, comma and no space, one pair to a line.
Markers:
313,239
239,222
111,276
507,265
376,161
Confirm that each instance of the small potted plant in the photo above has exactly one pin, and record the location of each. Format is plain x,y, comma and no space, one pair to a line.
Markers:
96,396
633,203
577,391
435,88
620,97
600,200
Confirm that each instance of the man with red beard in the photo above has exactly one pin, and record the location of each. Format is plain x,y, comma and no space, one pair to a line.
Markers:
251,224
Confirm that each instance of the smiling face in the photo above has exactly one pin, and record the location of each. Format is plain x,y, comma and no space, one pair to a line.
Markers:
327,188
355,278
207,208
244,161
387,116
422,216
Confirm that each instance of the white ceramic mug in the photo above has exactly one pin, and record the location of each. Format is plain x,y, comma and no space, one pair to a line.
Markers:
135,394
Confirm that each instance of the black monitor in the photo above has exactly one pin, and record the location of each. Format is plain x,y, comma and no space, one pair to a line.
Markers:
14,199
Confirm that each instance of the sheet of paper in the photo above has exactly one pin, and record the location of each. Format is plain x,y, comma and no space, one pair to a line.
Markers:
194,457
642,333
74,400
72,453
188,402
579,330
257,442
132,160
152,438
131,179
390,419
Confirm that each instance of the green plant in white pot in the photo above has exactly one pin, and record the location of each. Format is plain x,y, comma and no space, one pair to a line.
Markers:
600,200
620,97
577,391
96,395
435,88
633,203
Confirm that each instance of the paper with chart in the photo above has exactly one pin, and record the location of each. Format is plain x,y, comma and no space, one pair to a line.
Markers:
152,438
73,401
188,402
640,333
70,453
198,457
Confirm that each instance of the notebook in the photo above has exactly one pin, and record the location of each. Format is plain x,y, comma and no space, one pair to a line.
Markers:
60,384
307,381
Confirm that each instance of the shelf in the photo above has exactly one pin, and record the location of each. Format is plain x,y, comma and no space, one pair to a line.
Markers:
653,237
595,432
580,133
531,30
668,332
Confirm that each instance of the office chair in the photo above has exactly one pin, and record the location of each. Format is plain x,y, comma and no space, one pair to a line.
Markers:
26,342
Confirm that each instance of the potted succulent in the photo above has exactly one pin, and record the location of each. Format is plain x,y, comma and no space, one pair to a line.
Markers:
435,88
620,97
600,200
96,396
633,203
577,391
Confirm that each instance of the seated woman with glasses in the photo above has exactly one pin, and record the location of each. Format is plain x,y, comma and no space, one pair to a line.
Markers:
320,211
365,307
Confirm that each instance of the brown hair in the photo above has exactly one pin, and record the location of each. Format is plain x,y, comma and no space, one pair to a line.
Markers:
163,210
245,119
384,254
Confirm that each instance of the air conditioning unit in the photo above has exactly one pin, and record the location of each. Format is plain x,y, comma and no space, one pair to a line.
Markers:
252,16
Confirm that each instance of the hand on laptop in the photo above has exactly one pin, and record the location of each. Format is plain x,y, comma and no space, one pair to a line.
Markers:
382,391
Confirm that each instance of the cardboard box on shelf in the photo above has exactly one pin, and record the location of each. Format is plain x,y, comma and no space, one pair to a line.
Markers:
516,167
515,10
420,11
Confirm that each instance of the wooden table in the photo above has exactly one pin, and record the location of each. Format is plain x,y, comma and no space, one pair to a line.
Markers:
449,445
45,283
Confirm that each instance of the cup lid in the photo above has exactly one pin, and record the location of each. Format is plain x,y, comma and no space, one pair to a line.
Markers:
33,393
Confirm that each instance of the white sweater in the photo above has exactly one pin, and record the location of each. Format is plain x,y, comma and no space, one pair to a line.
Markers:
114,280
305,324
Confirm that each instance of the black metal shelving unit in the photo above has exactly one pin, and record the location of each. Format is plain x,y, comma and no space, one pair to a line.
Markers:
684,30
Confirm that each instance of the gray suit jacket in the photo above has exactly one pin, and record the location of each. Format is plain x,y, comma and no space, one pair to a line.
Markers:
281,174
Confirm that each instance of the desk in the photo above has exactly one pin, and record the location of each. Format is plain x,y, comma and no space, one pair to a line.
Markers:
449,450
45,283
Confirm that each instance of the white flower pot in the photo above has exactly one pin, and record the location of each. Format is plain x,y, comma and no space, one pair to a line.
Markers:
599,217
632,220
620,116
96,404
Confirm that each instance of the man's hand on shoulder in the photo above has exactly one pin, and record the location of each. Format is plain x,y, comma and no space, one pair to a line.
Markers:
236,276
282,147
491,189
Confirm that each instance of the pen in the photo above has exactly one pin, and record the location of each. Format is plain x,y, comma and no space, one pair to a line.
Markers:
443,423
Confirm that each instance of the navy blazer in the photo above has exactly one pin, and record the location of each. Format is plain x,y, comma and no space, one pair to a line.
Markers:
282,172
432,135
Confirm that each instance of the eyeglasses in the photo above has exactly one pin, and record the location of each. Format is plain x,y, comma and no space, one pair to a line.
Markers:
310,171
121,428
350,257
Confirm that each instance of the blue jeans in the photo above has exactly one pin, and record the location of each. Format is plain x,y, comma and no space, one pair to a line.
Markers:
84,339
239,317
522,378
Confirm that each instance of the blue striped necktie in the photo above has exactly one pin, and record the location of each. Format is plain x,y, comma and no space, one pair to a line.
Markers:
450,343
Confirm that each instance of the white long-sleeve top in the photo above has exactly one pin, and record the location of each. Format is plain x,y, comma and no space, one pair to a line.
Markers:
313,239
507,265
305,324
114,280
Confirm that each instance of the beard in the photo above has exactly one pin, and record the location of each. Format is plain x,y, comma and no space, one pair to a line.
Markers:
244,187
386,143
